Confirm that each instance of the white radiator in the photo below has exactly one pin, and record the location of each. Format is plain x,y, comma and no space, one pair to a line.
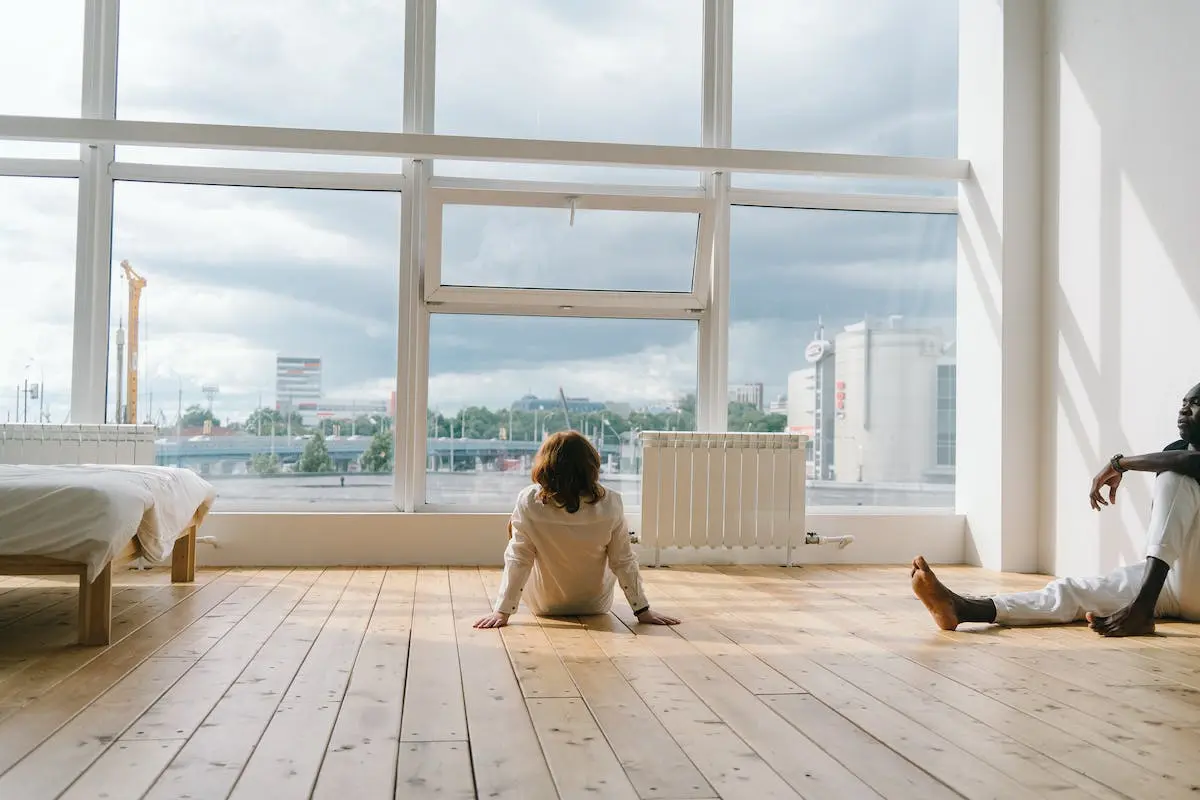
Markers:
77,444
723,490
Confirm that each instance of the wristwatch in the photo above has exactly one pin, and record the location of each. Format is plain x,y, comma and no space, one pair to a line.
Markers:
641,610
1115,463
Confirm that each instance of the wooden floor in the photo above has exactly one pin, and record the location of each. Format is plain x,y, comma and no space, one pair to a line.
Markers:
808,682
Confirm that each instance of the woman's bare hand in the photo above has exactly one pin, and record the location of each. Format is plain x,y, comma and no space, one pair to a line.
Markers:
496,619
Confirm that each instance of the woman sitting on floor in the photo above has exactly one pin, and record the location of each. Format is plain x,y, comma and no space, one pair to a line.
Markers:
565,530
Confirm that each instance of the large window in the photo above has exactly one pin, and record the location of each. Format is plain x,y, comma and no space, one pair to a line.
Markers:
397,318
41,59
266,337
37,260
844,318
499,385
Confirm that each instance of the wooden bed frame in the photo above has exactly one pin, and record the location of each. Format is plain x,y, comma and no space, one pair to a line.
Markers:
95,598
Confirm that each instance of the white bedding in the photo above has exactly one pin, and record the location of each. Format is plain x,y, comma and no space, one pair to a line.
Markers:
88,513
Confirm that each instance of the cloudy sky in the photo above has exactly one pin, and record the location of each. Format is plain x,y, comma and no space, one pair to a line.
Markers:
237,276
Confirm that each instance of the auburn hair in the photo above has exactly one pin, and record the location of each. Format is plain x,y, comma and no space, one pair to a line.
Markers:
567,468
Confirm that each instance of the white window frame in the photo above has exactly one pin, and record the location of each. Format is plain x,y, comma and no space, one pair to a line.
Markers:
582,198
98,131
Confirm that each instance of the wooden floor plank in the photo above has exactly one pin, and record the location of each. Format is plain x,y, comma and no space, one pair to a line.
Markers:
731,767
798,760
434,771
24,730
941,757
288,757
52,665
880,767
124,767
539,668
506,756
433,694
262,607
1041,760
581,761
213,758
55,626
362,753
746,669
54,764
176,714
301,683
996,670
654,762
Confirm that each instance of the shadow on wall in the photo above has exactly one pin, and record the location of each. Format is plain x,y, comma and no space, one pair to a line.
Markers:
1138,72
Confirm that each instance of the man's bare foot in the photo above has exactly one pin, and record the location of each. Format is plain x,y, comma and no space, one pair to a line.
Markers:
937,598
1128,621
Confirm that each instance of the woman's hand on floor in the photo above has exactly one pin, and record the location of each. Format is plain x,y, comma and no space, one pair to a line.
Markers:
652,617
496,619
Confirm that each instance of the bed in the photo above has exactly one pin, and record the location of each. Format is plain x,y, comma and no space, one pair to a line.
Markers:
86,520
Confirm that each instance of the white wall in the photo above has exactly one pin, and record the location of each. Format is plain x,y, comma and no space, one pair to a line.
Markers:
999,280
1121,259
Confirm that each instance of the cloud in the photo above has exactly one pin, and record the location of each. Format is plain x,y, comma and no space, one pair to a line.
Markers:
237,275
41,57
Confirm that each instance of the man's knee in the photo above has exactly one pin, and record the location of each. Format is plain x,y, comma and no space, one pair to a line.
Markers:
1172,484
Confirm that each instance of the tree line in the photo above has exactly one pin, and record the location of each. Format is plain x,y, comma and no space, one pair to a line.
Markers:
473,422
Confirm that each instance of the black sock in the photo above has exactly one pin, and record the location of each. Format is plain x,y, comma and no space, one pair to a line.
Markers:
971,609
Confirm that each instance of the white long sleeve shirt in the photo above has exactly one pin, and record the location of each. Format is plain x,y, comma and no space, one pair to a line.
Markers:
570,561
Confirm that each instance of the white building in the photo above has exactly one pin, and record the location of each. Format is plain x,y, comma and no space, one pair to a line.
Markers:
801,397
878,404
298,387
748,393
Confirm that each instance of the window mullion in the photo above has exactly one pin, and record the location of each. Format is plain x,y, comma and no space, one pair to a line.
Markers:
412,366
93,245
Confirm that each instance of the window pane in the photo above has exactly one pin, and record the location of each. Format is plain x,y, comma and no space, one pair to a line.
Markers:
499,378
298,63
267,316
37,261
882,79
541,248
41,57
847,319
619,71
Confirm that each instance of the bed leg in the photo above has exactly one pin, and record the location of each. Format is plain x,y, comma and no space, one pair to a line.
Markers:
95,608
183,558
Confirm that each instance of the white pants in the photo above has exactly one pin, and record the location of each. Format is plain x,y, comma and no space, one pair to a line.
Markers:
1173,537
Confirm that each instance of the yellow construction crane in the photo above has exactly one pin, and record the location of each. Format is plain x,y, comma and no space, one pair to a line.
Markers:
136,284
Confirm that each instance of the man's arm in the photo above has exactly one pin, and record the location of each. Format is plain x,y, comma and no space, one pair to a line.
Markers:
1183,462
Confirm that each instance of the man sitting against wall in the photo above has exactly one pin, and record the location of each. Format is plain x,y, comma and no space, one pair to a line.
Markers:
1126,601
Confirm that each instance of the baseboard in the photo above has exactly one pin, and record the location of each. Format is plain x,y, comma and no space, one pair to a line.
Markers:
290,539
